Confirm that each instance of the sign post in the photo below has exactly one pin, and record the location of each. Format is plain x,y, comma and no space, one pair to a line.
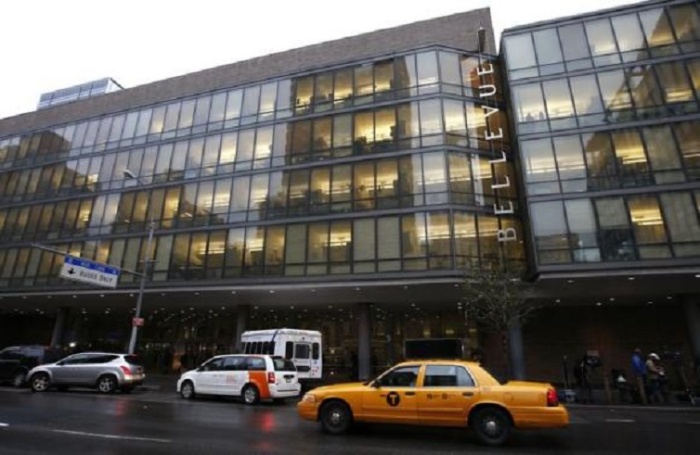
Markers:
91,272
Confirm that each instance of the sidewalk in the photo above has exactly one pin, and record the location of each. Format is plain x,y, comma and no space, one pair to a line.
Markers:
599,400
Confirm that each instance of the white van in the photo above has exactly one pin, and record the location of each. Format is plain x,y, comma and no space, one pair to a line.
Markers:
252,377
302,347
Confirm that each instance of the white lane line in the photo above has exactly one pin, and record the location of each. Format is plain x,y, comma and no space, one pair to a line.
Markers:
4,425
110,436
620,420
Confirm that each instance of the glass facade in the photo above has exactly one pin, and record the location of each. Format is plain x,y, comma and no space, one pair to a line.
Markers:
379,167
607,115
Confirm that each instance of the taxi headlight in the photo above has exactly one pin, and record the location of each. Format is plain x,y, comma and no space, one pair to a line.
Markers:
309,399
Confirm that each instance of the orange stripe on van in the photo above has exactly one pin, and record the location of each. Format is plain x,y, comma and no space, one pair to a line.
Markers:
259,378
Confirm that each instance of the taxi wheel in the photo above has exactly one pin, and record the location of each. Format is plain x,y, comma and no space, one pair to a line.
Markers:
187,390
336,417
251,395
491,425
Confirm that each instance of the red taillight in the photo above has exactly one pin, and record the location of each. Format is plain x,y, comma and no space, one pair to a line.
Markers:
552,398
125,369
271,377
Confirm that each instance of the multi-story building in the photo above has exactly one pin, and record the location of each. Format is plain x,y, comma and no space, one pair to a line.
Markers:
606,115
351,185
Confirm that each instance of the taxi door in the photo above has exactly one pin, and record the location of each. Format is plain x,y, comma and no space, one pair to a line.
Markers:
392,397
445,396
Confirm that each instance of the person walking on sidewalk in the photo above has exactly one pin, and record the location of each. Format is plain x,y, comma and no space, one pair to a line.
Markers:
639,369
655,374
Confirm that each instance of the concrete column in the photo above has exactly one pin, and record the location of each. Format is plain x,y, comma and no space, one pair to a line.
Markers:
390,335
364,335
691,308
241,323
515,347
59,327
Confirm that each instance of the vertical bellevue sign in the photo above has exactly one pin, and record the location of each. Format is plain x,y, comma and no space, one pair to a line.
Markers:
488,91
91,272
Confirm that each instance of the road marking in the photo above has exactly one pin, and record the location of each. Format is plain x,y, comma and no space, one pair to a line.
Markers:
110,436
4,424
620,420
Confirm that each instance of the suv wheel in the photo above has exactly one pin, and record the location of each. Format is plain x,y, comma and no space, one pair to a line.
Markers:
40,382
19,378
107,383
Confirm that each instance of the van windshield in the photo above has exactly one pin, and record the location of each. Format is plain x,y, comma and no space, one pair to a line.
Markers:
283,364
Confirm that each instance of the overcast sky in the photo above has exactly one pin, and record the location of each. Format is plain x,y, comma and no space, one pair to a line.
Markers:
52,44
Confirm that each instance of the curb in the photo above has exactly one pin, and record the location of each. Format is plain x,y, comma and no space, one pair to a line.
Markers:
634,407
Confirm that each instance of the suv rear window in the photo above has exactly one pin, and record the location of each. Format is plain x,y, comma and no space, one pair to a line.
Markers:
133,360
283,364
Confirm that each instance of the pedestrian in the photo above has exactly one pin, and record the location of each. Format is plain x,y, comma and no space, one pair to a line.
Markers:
655,375
638,366
639,369
582,375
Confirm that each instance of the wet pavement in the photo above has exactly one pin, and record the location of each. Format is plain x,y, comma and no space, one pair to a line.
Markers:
156,420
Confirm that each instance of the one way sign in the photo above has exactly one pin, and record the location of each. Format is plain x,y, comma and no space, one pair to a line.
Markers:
91,272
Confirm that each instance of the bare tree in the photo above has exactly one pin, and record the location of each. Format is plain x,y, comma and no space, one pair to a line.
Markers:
496,297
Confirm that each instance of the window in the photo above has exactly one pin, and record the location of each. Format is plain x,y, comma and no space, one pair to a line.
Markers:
447,376
255,364
234,363
547,45
289,350
582,230
539,167
400,377
649,226
550,232
573,43
519,51
302,351
602,42
681,218
315,351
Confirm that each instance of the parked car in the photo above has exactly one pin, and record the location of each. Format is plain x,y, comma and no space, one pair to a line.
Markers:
450,393
16,361
101,370
252,377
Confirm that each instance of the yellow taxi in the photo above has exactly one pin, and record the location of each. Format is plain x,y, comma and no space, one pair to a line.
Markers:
450,393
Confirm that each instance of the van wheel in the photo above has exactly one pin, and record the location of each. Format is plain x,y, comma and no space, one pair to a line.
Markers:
251,395
336,417
19,378
40,382
187,390
107,383
491,425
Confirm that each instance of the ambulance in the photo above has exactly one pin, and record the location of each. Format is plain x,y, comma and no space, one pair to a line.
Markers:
302,347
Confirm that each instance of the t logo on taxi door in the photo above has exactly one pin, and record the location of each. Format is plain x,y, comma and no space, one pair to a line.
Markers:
393,399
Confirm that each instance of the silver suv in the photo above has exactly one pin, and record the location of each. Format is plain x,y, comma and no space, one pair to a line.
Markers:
104,371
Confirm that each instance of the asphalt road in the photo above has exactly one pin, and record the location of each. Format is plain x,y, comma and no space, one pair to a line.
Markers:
160,422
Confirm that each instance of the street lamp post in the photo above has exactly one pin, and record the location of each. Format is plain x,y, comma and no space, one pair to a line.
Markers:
146,269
